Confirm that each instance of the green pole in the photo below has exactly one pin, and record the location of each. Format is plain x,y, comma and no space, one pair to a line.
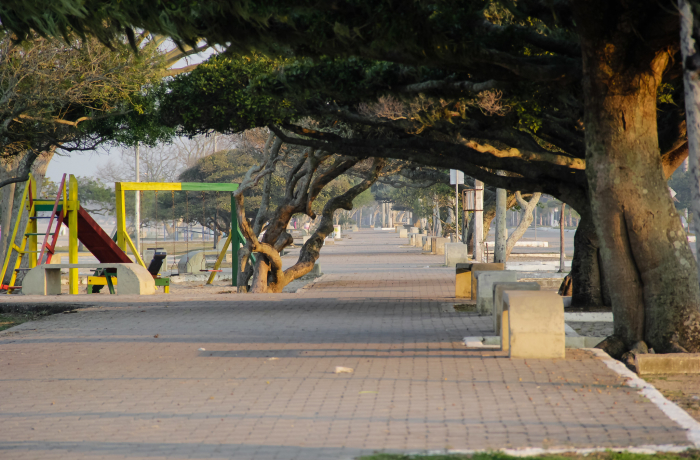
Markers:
236,240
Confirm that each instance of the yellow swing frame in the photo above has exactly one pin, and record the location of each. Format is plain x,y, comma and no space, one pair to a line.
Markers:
235,236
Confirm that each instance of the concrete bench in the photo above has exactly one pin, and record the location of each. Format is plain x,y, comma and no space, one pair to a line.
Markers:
463,280
456,253
437,245
533,325
403,233
498,289
413,230
484,288
427,242
45,279
547,284
476,268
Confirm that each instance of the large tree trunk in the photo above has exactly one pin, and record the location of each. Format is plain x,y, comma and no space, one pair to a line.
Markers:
643,249
586,278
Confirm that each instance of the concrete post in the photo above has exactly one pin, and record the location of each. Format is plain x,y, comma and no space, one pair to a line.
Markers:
562,254
501,231
479,221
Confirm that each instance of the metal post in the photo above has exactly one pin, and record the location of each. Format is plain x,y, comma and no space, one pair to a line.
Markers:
479,221
137,218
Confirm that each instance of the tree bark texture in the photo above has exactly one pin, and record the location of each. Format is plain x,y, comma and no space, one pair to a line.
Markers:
586,277
643,249
499,255
267,274
691,82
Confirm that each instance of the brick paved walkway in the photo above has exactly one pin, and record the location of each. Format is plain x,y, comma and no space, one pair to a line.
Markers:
98,384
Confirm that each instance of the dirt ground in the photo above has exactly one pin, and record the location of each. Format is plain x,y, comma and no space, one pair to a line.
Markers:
217,287
682,389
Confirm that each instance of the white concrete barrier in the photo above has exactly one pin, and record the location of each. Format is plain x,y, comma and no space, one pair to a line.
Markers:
484,288
456,253
45,279
535,324
498,289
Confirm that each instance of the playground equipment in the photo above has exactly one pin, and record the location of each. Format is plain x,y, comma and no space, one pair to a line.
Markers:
45,279
235,236
67,211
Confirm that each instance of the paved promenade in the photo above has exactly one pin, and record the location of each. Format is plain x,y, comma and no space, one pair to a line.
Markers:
217,376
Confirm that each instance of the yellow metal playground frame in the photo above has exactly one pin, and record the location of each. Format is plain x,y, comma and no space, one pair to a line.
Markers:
123,240
69,206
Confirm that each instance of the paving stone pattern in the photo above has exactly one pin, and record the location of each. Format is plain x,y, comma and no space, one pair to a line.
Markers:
99,384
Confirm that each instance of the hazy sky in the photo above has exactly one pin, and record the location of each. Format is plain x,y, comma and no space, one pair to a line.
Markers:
80,164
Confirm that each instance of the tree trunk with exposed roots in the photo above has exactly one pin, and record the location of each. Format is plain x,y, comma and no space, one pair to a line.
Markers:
644,252
267,273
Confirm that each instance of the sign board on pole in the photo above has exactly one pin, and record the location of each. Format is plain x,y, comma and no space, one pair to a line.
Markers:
456,177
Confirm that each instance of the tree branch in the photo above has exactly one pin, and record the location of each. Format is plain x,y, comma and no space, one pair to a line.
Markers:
451,86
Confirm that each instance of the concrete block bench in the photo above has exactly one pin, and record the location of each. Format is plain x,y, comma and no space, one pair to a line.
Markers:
456,253
498,289
403,233
476,268
484,288
437,245
45,279
463,280
533,325
547,284
427,243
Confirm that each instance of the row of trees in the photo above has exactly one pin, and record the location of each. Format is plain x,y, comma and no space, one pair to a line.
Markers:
73,93
583,101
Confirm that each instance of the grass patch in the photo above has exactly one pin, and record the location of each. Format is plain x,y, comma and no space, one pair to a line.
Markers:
465,307
8,320
687,455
